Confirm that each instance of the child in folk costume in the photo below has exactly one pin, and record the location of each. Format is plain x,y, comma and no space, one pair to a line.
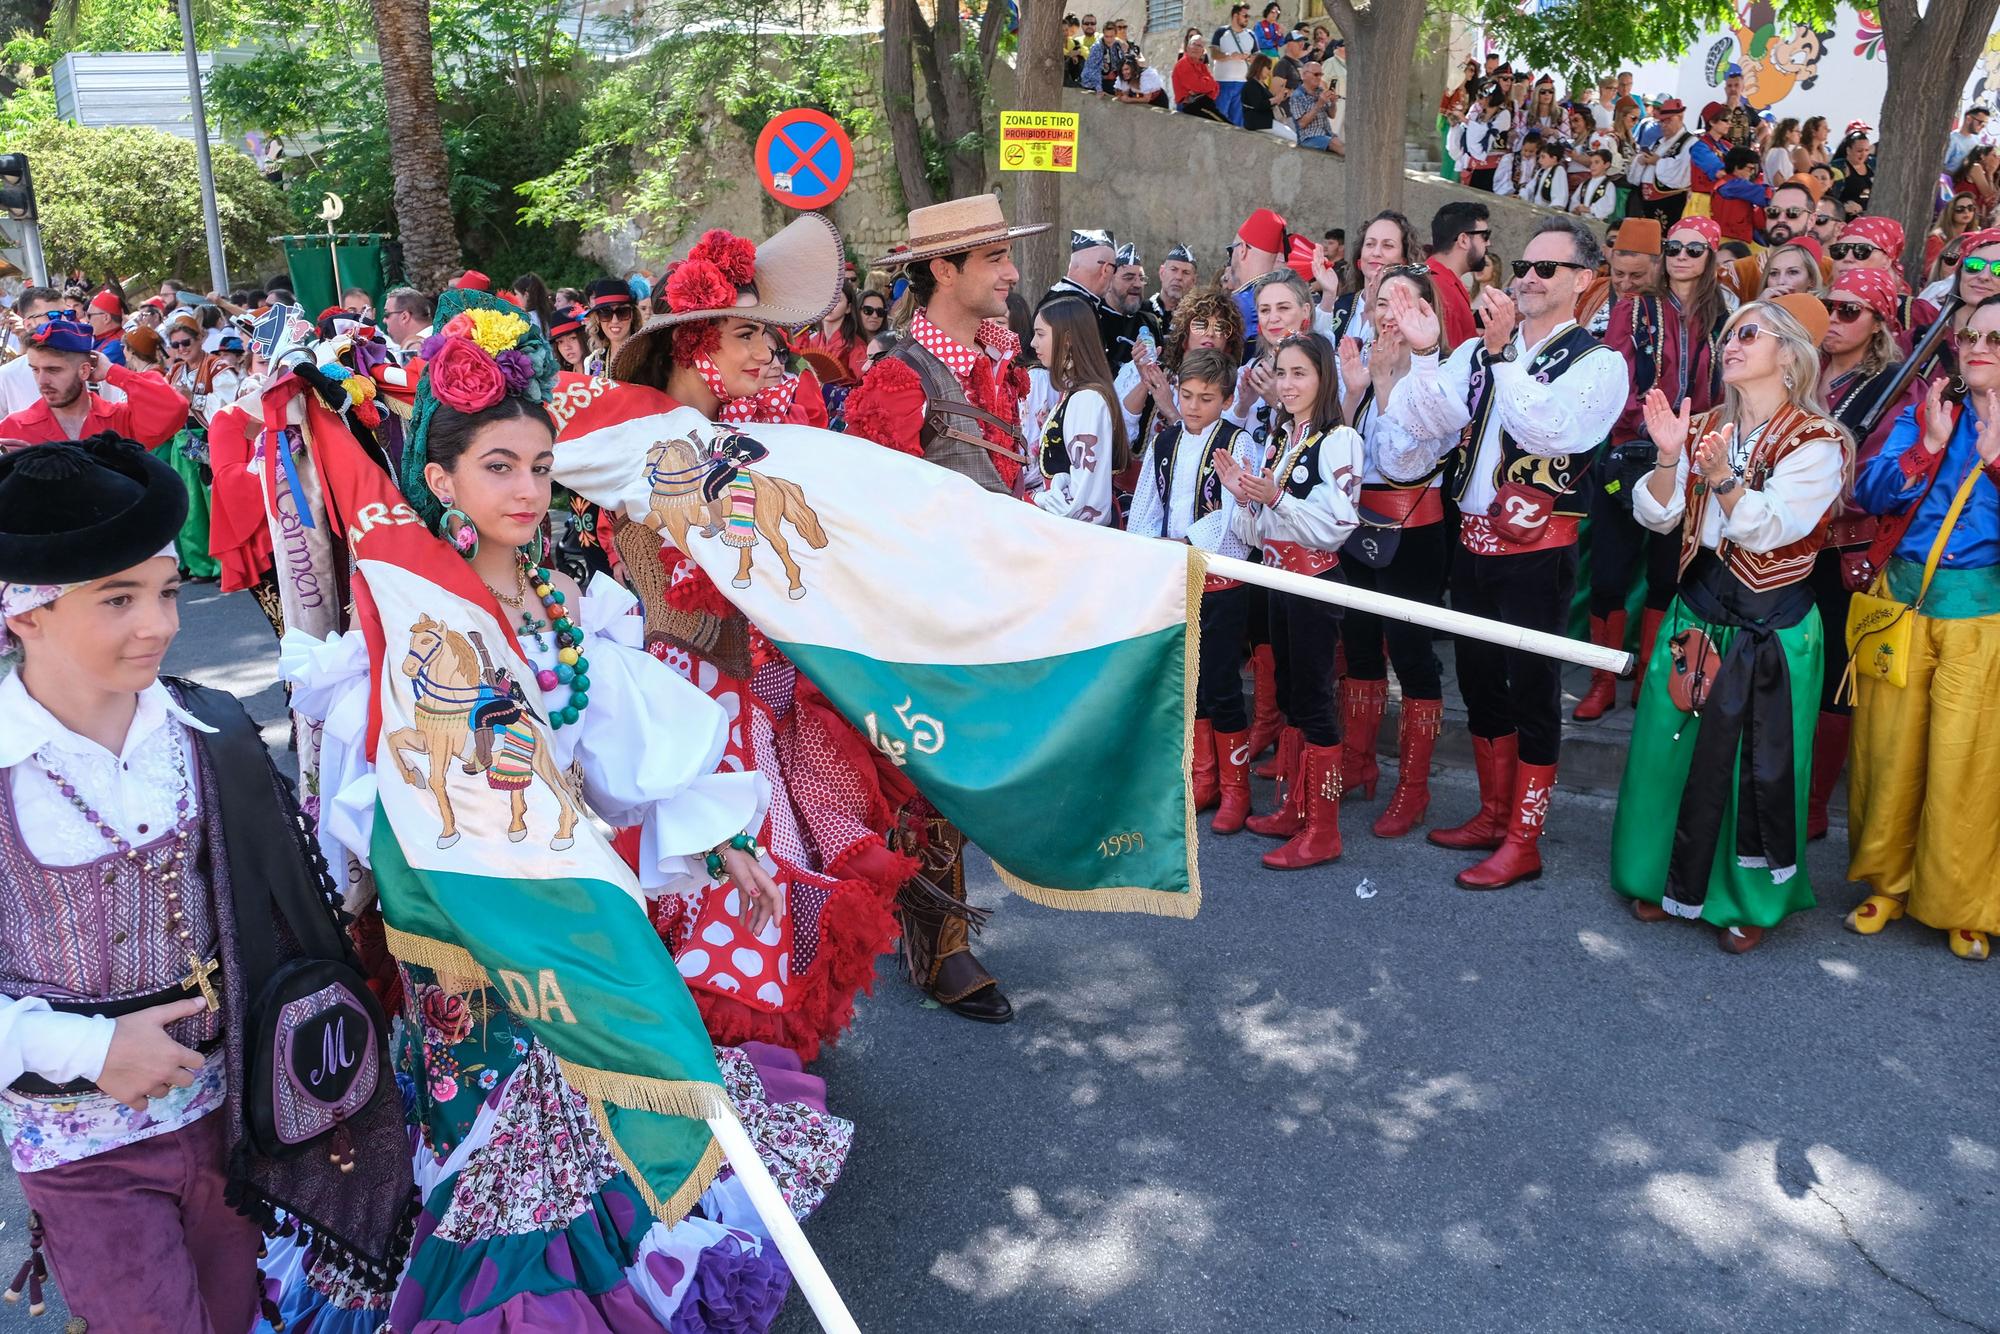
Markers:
539,1212
1301,512
1083,445
1927,753
1750,485
1180,496
1549,186
1402,548
153,880
1596,195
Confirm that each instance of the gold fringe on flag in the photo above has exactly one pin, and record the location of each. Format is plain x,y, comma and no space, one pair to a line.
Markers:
672,1210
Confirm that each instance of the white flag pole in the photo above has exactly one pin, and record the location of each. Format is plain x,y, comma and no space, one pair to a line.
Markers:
1423,613
806,1269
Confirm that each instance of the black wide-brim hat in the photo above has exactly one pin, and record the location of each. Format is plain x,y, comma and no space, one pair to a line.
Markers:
81,510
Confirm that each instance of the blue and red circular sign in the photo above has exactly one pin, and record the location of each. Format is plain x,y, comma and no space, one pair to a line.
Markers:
804,158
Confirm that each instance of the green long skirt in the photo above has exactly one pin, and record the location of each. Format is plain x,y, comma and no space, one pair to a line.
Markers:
191,543
1656,773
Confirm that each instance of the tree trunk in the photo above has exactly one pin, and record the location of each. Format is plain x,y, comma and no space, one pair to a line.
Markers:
1038,194
1380,40
1930,58
899,102
431,255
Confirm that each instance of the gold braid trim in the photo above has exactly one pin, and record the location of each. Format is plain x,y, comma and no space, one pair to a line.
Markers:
1131,898
457,971
673,1210
691,1098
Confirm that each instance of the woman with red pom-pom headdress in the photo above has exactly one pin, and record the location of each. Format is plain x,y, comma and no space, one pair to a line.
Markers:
843,842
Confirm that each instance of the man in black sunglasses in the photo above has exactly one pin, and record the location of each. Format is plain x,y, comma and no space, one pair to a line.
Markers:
1539,395
1789,215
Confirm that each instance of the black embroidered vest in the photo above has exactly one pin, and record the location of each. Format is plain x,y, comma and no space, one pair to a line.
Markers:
1208,485
1557,475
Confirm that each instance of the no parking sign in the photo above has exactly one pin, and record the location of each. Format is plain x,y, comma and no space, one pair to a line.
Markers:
804,158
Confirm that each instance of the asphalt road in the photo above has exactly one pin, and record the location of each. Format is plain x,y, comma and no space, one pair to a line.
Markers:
1357,1097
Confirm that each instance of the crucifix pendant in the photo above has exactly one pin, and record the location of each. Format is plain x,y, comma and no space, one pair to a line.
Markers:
198,977
532,626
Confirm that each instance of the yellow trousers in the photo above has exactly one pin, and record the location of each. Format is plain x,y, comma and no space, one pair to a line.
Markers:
1924,789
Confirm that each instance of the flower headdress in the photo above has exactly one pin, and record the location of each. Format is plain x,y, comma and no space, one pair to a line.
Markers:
718,273
484,349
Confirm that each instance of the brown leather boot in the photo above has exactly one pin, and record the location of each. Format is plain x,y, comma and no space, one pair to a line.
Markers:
1265,720
1602,697
1829,754
1494,760
1423,720
1290,815
1201,760
1319,842
1232,761
1519,857
1362,704
936,943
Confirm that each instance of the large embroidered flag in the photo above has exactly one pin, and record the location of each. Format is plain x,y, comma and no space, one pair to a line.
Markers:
506,886
1033,676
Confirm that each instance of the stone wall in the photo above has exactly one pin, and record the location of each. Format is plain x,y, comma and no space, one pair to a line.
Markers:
1160,179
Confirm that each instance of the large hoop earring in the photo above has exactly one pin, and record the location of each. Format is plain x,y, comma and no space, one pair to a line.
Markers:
536,549
455,526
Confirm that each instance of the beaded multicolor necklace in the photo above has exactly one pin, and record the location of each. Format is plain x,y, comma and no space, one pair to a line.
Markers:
572,668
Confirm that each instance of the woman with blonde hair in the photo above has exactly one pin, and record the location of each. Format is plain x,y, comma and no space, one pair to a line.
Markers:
1793,267
1083,443
1708,823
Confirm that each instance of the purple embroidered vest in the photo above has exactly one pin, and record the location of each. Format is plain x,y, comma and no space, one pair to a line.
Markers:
99,931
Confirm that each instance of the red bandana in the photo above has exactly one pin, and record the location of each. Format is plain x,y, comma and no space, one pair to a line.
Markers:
993,336
1877,289
772,406
1882,233
1707,228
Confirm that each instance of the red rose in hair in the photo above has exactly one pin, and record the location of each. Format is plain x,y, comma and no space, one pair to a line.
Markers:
699,285
696,338
736,256
464,377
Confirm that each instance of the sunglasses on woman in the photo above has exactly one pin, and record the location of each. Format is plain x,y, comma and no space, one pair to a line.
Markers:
180,344
1970,338
1692,249
1974,265
617,312
1847,312
1851,250
1747,333
1545,269
877,311
1962,208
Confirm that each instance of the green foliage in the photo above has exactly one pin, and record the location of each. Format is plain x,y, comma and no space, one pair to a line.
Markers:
124,199
645,154
1588,37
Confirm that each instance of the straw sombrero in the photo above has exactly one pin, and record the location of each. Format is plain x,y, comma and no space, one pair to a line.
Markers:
796,281
953,227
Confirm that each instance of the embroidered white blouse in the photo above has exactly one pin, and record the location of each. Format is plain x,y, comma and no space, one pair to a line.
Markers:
1084,492
1213,532
1325,516
1794,498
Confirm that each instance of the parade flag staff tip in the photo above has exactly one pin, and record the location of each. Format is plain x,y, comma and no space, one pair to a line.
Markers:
1423,613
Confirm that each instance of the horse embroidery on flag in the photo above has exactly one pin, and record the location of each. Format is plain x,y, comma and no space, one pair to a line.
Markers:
716,485
463,700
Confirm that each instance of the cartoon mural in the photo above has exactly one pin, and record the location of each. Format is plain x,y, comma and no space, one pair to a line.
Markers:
1776,57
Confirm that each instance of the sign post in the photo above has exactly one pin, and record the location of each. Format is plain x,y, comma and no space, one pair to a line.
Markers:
804,158
1039,140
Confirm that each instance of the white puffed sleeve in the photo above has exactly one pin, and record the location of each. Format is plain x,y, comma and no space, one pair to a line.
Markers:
1084,492
1217,532
1325,516
648,746
1428,407
1647,509
1570,415
330,684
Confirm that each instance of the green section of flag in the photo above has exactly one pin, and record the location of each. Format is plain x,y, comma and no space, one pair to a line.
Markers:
1066,770
580,964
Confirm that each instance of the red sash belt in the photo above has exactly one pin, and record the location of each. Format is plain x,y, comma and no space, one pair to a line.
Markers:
1479,536
1299,559
1390,502
1215,583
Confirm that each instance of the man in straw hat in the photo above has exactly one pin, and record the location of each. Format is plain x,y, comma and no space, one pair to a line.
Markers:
951,393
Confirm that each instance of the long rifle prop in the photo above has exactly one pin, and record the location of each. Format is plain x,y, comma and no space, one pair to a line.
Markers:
1920,355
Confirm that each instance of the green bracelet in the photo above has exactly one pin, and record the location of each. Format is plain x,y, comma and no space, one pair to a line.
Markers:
739,842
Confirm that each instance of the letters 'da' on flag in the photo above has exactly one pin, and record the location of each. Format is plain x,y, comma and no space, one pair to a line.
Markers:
552,920
1033,676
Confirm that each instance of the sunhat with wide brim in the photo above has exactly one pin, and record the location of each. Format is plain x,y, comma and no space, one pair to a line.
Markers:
796,282
954,227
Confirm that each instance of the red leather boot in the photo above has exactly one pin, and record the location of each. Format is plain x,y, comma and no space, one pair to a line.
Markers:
1362,704
1319,842
1519,858
1201,761
1290,815
1495,761
1423,720
1277,766
1265,720
1602,697
1829,754
1649,631
1232,759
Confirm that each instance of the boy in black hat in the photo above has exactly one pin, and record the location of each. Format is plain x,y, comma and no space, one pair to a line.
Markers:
154,879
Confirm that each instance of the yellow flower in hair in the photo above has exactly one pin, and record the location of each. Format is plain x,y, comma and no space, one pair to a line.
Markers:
495,330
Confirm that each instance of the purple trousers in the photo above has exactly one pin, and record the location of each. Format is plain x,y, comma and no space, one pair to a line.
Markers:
140,1241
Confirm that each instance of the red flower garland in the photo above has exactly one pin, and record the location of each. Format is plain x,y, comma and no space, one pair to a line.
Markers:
735,256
